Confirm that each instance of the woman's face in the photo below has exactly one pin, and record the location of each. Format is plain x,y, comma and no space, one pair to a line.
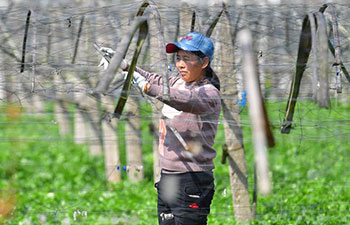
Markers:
190,67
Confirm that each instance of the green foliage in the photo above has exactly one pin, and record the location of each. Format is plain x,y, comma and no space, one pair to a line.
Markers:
53,178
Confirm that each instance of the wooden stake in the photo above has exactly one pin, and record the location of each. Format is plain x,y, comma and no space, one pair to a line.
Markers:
25,41
78,38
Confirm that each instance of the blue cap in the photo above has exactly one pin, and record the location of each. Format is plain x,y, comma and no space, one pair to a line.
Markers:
193,42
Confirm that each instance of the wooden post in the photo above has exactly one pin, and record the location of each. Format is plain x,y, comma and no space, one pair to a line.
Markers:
109,128
81,117
93,126
91,103
232,120
135,168
110,144
256,110
314,57
59,80
80,130
61,107
336,49
37,103
154,51
322,57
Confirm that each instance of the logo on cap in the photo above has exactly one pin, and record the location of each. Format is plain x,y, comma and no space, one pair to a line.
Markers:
188,38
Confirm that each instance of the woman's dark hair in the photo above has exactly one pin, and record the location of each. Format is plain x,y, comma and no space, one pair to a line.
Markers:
210,74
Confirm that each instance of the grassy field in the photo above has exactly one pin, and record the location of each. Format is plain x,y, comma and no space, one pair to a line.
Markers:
50,179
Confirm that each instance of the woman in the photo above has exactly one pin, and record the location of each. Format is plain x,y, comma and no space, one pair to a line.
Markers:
186,186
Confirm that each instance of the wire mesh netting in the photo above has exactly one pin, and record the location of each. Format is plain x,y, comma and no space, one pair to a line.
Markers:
56,50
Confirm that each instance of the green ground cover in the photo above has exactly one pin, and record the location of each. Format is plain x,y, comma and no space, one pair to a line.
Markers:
54,179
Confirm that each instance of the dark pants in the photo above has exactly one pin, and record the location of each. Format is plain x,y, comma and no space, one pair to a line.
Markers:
184,199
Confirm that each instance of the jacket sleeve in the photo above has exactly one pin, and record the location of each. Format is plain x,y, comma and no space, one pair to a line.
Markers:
199,100
152,78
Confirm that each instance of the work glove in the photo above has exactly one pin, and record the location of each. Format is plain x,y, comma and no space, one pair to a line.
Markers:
107,56
140,81
108,53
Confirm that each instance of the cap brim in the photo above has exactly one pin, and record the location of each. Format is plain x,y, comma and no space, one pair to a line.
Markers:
175,47
171,48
